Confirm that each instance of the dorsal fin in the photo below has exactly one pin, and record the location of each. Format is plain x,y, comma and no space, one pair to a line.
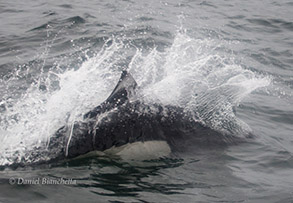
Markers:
124,88
121,93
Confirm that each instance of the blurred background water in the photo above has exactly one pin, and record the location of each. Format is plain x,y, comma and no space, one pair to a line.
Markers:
229,61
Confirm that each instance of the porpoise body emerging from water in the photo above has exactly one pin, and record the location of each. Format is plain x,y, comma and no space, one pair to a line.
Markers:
123,119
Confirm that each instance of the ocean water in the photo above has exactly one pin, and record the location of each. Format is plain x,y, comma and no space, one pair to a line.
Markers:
231,62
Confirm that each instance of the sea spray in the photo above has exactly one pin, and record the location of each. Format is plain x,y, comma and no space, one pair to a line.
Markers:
192,73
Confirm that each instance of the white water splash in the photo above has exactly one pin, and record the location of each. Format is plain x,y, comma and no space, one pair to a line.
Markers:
196,75
30,120
192,73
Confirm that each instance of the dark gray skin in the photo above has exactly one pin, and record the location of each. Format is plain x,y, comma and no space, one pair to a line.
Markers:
122,119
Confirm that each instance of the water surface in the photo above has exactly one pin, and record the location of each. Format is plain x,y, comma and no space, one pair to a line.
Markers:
229,61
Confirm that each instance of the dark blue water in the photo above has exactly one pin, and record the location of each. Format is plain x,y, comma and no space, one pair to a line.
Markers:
229,61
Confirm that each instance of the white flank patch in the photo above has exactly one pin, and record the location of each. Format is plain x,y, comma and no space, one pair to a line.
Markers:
141,150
